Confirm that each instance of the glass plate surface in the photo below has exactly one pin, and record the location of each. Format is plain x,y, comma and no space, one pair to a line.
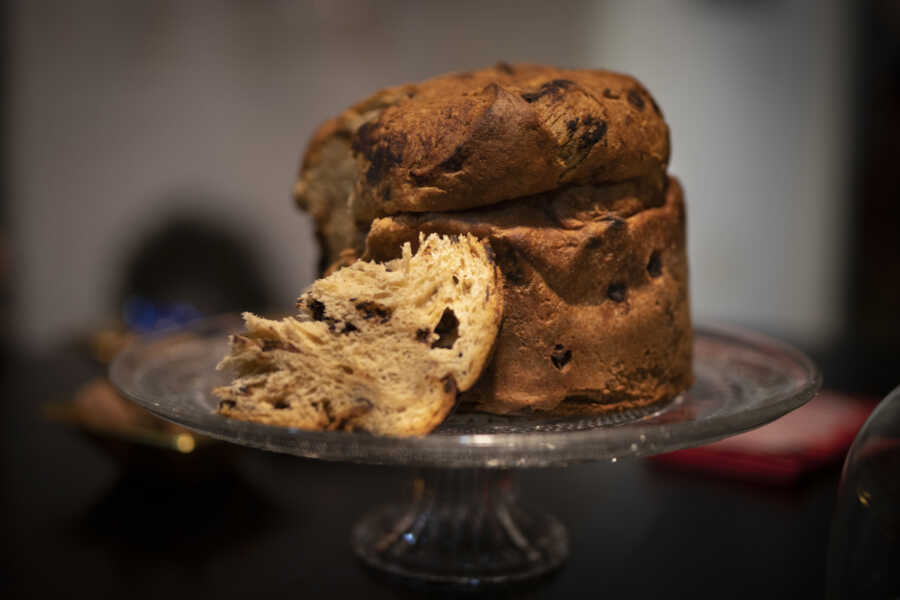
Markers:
742,380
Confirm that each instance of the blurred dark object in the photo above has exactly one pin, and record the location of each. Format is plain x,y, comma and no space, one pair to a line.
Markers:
5,286
141,315
813,436
99,405
104,344
5,262
180,518
876,283
864,554
135,438
190,266
873,294
185,270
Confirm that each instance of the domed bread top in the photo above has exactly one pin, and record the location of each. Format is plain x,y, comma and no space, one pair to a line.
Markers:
477,138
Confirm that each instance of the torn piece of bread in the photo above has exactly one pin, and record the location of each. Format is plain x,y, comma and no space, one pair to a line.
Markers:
382,347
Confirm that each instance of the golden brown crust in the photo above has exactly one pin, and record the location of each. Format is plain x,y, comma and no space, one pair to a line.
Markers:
328,175
474,139
564,172
596,307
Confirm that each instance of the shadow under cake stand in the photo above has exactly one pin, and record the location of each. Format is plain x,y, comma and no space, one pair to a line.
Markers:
463,524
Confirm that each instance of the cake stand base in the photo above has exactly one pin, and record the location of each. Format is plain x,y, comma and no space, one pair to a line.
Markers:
462,527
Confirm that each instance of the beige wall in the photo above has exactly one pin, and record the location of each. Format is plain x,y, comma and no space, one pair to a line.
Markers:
757,95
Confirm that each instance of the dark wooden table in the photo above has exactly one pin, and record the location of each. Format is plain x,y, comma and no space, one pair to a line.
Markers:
248,524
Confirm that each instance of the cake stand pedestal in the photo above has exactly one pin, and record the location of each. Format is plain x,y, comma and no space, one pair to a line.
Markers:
463,524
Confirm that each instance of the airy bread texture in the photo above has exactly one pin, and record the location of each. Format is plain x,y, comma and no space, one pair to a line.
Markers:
382,347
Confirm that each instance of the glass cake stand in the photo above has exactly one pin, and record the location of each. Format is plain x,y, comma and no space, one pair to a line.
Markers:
463,524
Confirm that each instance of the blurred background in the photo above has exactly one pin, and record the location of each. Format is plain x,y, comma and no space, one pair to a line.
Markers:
150,149
123,118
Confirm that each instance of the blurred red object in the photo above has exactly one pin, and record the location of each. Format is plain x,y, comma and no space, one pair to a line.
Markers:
815,435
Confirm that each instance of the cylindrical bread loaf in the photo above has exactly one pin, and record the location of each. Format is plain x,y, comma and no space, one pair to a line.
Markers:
564,173
596,311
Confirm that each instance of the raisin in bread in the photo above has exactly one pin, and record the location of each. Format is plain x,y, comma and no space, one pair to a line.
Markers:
382,347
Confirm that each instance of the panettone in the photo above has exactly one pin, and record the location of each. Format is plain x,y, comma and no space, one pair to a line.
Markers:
563,172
